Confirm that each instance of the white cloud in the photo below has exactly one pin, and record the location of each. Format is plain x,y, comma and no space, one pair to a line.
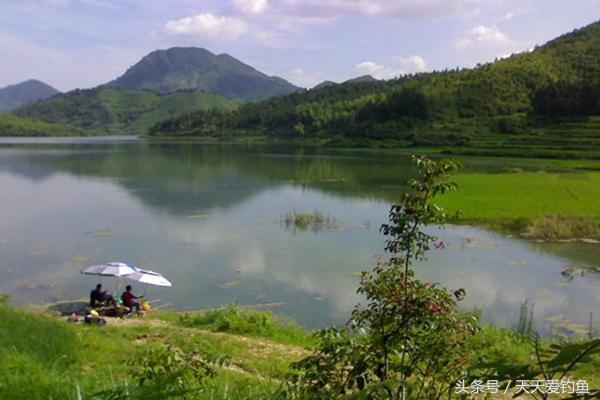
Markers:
207,24
483,36
369,67
403,66
210,26
412,63
268,22
376,70
251,6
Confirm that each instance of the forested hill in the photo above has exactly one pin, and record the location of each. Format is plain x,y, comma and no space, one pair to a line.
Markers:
527,94
191,68
12,125
22,93
110,111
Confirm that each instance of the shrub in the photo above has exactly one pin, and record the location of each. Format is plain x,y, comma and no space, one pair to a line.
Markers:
409,339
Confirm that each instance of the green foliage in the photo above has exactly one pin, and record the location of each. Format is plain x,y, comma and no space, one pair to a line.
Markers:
12,125
234,319
115,111
315,221
553,362
108,362
525,325
34,353
415,209
505,107
571,211
408,341
21,332
562,227
163,373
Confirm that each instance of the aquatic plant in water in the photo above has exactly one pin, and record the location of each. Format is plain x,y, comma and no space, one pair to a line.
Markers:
303,221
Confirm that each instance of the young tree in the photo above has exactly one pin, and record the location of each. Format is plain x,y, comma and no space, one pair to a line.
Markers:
408,340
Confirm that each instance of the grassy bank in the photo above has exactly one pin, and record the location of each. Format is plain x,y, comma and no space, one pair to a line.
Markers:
249,353
539,205
42,356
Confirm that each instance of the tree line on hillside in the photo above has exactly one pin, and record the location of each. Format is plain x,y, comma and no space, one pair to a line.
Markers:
561,78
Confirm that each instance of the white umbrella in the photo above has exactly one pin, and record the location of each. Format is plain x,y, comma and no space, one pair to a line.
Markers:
117,269
148,278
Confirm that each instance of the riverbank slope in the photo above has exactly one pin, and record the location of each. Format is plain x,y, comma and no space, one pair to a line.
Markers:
243,354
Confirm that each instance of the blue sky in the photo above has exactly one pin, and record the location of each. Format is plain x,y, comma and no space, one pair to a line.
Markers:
82,43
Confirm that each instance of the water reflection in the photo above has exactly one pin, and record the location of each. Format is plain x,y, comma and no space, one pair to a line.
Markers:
208,217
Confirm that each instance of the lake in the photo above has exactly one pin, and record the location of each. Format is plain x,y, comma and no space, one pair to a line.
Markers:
209,217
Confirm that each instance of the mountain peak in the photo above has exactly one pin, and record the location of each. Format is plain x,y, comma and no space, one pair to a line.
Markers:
324,84
26,92
361,79
194,68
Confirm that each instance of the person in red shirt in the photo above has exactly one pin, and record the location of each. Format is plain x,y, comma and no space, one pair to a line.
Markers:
129,299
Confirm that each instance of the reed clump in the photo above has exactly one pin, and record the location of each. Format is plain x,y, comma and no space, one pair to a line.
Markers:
303,221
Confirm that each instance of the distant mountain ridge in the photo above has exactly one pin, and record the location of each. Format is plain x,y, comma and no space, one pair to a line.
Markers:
323,85
14,96
351,81
360,79
546,98
112,111
191,68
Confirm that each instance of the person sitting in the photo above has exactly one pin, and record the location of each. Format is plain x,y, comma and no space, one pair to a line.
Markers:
99,297
129,299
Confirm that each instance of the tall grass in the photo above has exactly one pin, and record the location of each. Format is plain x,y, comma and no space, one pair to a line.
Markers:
38,357
302,221
44,358
562,227
530,195
541,205
234,319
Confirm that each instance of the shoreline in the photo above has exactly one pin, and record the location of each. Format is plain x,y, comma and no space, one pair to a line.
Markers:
513,232
385,146
488,200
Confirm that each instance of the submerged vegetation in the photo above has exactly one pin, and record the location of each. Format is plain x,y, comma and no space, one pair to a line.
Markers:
302,221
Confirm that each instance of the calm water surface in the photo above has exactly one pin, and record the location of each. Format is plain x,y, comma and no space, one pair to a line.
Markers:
209,218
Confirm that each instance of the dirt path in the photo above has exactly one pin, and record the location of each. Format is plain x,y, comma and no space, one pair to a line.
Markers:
262,347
